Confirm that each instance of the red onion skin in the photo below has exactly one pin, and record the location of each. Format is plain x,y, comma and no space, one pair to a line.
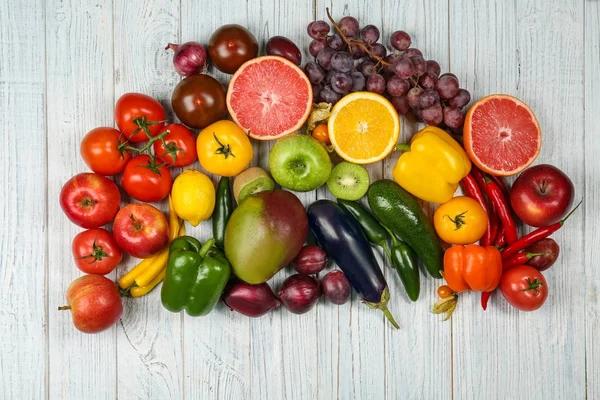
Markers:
311,260
250,300
299,293
190,58
336,287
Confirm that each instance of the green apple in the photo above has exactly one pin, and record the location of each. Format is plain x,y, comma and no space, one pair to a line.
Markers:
300,163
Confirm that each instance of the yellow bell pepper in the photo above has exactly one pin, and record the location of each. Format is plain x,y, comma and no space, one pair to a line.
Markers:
432,165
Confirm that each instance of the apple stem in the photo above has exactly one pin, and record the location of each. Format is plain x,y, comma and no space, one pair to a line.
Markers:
63,308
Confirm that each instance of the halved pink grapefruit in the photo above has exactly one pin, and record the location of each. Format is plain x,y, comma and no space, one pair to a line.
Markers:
501,135
269,97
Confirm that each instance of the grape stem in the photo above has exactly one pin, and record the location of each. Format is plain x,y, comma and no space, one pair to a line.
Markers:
357,42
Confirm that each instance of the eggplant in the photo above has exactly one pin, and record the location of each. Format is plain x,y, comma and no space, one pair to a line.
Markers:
342,238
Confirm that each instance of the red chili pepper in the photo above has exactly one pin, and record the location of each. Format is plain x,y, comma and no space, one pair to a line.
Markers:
500,238
500,182
496,197
471,189
485,298
519,259
535,236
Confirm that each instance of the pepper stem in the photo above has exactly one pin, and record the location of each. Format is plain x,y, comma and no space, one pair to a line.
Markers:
206,247
402,147
562,221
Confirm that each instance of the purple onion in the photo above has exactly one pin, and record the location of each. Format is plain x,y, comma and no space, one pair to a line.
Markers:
189,58
299,293
336,287
311,260
250,300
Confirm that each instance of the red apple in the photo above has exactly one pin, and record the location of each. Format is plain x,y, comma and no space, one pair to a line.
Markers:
95,303
141,230
542,195
90,200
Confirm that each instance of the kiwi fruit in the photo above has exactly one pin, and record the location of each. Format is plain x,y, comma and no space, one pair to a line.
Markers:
348,181
251,181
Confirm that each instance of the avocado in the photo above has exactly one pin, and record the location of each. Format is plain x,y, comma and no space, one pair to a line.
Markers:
401,212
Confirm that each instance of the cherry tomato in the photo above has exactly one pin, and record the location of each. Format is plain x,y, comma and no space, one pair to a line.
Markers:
444,291
145,180
224,149
460,221
524,287
136,110
96,252
321,133
99,150
180,142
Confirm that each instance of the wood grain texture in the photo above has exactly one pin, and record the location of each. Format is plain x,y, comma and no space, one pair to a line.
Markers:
23,247
79,74
592,197
216,346
150,360
82,55
512,49
428,339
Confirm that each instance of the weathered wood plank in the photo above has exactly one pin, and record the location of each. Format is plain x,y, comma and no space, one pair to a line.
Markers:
216,347
533,50
591,225
428,339
80,97
23,246
150,361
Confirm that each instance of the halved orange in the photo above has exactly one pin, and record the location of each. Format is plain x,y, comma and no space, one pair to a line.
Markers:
363,127
501,135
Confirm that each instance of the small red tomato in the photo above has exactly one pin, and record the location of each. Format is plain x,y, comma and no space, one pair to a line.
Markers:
95,251
145,180
133,111
100,151
179,147
524,287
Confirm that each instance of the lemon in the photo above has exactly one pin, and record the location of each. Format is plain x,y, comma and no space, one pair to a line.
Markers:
193,195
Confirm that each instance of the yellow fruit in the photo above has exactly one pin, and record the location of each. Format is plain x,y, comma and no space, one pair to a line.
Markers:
363,127
193,196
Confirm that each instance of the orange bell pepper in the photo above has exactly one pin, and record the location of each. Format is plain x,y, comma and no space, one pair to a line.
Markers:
472,267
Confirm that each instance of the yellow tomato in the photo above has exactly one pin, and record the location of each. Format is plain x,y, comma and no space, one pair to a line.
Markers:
460,221
224,149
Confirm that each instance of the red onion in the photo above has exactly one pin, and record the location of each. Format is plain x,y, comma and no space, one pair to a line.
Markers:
336,287
190,58
250,300
299,293
311,260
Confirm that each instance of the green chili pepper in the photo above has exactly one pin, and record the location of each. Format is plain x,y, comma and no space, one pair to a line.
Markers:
406,262
195,278
373,230
223,210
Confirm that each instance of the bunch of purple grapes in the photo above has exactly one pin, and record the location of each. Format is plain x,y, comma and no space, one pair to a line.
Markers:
356,61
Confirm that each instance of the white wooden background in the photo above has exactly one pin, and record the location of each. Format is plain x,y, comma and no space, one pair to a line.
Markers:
63,63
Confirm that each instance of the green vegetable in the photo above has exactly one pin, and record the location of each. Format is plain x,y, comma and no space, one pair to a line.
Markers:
222,212
195,278
404,216
373,230
406,262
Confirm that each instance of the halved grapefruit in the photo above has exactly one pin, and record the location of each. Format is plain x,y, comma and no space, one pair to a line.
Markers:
501,135
269,97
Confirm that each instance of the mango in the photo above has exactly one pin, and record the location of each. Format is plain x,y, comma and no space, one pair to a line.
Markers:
264,234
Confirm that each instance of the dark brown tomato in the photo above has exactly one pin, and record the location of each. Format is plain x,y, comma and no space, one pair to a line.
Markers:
198,101
230,46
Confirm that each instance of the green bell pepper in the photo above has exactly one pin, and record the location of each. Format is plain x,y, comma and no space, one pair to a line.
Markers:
195,278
